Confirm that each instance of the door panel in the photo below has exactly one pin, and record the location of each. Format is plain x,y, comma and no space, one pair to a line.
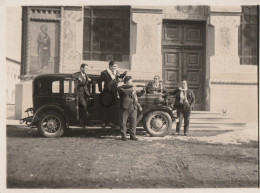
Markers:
172,33
193,35
171,68
183,57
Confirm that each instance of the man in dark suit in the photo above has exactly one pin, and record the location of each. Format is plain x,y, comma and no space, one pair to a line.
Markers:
184,103
109,98
128,107
82,91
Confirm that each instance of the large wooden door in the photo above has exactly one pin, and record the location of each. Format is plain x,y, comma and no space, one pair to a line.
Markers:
183,47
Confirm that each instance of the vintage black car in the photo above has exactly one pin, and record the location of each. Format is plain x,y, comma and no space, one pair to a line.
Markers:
56,107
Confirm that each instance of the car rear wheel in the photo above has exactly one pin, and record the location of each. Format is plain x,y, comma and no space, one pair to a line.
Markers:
51,124
158,123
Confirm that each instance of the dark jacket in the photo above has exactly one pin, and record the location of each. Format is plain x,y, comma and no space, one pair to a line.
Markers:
127,97
190,98
81,86
109,84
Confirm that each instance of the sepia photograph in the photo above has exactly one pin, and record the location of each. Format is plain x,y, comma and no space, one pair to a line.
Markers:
131,96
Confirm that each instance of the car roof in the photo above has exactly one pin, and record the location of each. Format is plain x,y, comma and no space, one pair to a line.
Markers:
61,76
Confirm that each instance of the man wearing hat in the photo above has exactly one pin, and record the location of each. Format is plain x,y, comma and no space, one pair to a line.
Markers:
81,90
128,107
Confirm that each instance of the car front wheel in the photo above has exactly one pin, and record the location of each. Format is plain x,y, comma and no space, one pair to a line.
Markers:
51,124
158,123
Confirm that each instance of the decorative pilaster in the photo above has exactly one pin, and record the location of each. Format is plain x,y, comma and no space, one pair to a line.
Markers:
61,40
147,57
72,38
27,65
225,58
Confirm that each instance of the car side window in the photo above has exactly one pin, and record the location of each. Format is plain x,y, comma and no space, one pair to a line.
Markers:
68,86
96,88
56,86
72,87
93,88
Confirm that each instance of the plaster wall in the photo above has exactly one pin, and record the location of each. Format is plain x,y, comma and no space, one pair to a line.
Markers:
232,86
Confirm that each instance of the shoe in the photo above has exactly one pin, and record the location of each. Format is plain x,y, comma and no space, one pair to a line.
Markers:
185,134
133,138
124,138
177,133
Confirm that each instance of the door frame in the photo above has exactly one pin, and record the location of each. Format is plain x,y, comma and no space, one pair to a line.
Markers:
204,62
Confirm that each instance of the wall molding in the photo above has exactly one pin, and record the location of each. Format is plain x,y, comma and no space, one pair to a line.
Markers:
150,11
45,19
216,13
73,8
233,82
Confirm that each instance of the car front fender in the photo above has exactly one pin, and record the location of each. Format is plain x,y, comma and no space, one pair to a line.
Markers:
45,108
141,116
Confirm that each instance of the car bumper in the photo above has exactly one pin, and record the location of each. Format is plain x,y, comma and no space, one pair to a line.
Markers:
27,120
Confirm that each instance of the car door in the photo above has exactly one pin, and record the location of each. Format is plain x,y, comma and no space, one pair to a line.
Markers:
71,101
94,105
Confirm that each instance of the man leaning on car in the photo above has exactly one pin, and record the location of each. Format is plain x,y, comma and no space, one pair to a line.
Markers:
82,92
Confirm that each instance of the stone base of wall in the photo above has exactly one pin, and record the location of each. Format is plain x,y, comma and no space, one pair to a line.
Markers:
240,101
23,98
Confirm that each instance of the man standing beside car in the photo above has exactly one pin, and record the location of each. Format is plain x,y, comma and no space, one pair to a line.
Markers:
109,99
128,107
184,103
82,91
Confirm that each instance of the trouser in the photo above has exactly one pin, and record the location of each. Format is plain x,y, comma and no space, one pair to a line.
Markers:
83,101
110,108
183,112
124,115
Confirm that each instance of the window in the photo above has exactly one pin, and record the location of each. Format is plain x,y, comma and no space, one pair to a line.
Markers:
56,87
106,33
68,87
248,36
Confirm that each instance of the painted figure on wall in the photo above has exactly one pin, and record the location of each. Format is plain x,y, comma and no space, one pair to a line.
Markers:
44,51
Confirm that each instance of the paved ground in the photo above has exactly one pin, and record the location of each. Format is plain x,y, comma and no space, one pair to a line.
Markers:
96,158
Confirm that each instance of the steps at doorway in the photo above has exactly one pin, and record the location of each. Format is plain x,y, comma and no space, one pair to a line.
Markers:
208,118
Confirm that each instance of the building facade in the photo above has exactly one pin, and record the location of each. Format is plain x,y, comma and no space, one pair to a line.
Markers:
214,48
12,78
13,51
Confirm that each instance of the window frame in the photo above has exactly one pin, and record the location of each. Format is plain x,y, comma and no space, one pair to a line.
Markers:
245,59
124,53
